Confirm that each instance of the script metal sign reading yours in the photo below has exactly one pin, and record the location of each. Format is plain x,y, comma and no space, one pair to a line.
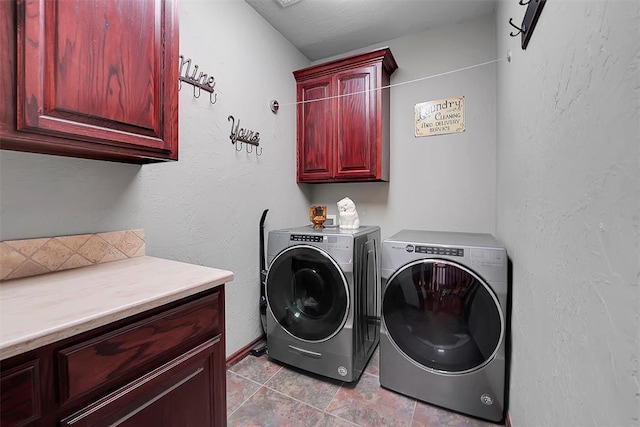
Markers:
242,134
440,117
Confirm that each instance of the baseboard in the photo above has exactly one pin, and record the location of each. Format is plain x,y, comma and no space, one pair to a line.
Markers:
243,352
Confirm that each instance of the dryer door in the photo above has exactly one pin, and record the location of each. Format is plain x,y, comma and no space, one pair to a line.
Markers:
442,316
307,293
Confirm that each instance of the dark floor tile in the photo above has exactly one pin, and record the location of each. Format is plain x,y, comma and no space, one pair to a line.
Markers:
368,404
431,416
306,387
329,420
269,408
258,369
239,389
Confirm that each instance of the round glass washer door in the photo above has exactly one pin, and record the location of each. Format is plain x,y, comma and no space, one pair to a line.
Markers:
442,316
307,293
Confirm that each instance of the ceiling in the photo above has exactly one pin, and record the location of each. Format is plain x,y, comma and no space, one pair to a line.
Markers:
324,28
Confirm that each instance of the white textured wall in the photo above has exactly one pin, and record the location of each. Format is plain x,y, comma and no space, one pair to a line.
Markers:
568,208
439,182
205,208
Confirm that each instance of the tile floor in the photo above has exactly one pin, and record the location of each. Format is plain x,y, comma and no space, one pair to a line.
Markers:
262,392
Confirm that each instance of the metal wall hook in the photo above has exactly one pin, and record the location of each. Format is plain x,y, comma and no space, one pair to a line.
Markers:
179,85
239,135
520,30
529,21
199,80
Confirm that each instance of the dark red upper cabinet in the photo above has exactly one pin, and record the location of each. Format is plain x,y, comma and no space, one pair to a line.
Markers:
93,79
343,119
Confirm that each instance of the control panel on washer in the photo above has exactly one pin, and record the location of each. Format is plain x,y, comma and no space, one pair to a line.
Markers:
306,238
340,243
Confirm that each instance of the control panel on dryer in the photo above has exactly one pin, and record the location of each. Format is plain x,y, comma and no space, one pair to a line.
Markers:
439,250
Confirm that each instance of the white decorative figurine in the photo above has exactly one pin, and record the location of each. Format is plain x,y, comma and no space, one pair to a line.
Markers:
348,216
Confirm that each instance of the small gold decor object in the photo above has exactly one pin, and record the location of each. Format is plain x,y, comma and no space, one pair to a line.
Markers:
318,215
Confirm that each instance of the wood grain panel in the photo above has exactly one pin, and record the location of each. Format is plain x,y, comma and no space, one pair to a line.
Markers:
315,138
356,146
179,393
355,133
107,358
102,56
90,78
20,398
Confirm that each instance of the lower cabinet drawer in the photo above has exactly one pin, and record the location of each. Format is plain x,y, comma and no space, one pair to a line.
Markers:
121,354
178,393
20,403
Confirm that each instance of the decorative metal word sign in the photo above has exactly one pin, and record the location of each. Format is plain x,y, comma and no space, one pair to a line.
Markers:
440,117
200,81
243,135
239,135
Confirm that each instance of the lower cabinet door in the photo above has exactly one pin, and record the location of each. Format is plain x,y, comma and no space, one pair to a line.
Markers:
20,395
187,391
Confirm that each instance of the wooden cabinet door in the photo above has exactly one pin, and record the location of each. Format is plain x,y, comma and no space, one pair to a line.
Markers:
315,134
100,72
345,137
179,393
20,395
357,139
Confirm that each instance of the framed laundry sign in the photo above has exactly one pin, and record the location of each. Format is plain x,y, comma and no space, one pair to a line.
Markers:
440,117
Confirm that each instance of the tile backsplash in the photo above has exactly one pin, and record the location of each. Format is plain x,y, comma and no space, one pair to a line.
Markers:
30,257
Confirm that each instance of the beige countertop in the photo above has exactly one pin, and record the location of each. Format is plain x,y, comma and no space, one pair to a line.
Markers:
39,310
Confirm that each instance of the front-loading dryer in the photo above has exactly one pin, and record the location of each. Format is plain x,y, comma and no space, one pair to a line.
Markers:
444,320
322,291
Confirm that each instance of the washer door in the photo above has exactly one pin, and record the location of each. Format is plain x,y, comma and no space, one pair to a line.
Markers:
307,293
442,316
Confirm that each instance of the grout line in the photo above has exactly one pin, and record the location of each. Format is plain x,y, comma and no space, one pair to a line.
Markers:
371,375
277,372
342,419
311,406
257,390
413,414
333,397
323,411
247,399
293,398
248,379
252,394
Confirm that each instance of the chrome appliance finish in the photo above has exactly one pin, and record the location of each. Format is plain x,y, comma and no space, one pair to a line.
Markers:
323,299
444,320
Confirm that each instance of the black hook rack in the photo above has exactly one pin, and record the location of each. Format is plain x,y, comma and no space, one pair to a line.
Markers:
239,135
202,82
520,30
531,16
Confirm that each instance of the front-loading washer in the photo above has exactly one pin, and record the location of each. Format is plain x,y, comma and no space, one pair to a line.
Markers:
444,320
323,291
